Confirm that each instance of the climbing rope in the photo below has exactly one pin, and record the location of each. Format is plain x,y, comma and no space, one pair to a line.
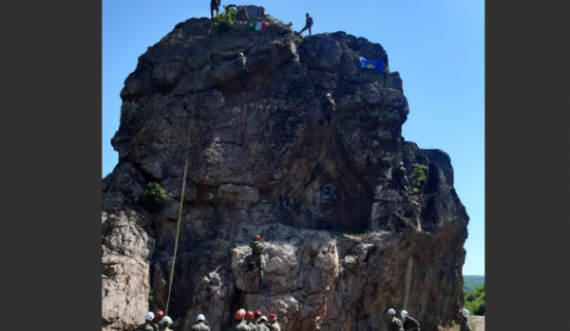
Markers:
187,157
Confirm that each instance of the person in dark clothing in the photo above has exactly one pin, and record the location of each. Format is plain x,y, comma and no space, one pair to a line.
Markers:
395,324
214,5
308,25
410,324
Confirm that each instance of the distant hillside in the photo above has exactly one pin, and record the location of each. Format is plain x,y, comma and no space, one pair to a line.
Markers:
472,282
475,301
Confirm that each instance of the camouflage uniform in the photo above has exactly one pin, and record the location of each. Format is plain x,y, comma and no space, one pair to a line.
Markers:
411,324
240,326
145,327
262,327
274,326
330,107
200,327
403,179
465,326
395,324
256,251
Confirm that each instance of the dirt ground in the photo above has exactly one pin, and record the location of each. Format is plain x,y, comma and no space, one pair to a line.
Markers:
477,324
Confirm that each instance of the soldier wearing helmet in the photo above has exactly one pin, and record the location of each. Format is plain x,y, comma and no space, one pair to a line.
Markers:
249,320
239,324
257,316
158,315
256,260
262,325
200,326
464,320
273,324
147,326
330,107
410,323
165,323
395,323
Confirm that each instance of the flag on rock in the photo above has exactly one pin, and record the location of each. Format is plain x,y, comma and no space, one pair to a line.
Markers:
258,25
374,65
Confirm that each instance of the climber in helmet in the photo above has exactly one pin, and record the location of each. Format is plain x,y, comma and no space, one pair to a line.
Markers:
464,320
158,315
239,324
273,324
242,68
395,324
262,325
147,326
256,260
402,178
257,316
330,107
410,324
200,326
249,320
165,324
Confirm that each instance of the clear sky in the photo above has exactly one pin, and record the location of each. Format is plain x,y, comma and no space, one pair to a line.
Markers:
438,46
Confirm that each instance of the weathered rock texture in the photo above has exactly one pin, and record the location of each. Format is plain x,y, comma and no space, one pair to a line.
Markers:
344,242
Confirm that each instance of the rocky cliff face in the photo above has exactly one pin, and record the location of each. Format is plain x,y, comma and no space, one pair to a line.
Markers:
344,242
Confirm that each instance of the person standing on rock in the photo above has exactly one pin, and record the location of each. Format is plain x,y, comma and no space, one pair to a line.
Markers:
402,178
308,25
464,320
410,324
158,315
262,325
239,324
395,323
214,5
147,326
165,323
256,258
273,324
200,326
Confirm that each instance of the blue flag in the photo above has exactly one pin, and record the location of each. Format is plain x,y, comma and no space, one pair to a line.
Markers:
374,65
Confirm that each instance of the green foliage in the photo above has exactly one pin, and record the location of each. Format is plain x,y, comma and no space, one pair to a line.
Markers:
419,175
153,196
472,281
475,301
225,20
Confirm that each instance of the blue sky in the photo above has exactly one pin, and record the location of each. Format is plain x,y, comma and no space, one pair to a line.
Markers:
437,46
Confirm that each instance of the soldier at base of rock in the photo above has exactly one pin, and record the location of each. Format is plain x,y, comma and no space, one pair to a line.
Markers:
262,325
239,324
147,326
273,324
165,323
410,324
200,326
395,323
464,320
158,315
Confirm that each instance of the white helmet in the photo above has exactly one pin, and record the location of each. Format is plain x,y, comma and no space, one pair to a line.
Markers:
240,54
401,163
242,310
263,318
149,316
200,318
404,313
166,320
328,95
464,312
391,311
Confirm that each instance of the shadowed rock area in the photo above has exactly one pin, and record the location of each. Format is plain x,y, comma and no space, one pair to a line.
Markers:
343,240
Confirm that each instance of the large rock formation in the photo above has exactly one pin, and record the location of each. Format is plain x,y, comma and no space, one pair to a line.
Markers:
343,240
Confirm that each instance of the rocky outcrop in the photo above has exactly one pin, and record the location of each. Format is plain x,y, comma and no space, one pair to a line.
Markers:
343,241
